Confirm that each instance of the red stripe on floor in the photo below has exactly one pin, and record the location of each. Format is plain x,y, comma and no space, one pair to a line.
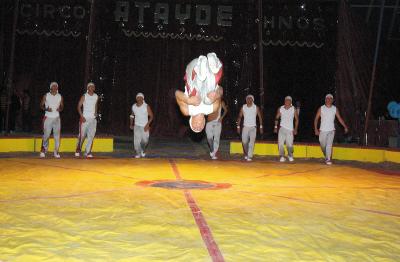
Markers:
201,222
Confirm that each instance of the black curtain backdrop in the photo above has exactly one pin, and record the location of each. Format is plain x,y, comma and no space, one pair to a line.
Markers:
353,75
304,63
126,65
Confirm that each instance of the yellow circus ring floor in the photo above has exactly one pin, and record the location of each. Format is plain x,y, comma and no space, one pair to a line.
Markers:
176,209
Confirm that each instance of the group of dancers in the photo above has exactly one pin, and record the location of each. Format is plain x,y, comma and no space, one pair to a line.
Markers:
202,101
52,104
203,97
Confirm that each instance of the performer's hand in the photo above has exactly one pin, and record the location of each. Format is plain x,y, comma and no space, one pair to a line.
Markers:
295,132
131,127
212,96
275,130
194,100
316,131
83,120
238,130
146,128
220,120
261,130
49,109
346,130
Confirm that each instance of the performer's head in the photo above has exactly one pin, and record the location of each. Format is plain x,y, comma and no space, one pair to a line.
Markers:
139,99
197,123
249,100
53,88
90,88
329,99
288,101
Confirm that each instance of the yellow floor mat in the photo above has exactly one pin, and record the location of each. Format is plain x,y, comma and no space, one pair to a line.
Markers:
195,210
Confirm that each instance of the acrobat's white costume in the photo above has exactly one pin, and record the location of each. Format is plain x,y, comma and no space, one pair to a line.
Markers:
202,76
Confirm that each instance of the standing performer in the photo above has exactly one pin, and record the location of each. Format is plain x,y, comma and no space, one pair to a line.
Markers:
52,103
286,114
87,122
213,129
326,131
202,76
140,121
250,111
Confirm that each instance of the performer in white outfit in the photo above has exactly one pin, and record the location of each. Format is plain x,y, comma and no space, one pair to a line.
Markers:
201,90
52,103
87,122
250,112
286,113
140,120
214,128
326,131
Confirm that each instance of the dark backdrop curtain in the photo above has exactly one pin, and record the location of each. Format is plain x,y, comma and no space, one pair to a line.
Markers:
353,74
156,68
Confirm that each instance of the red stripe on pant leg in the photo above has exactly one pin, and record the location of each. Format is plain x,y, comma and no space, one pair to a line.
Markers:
42,149
59,137
91,146
201,222
78,146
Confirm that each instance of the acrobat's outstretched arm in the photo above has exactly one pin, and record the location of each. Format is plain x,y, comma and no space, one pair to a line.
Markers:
181,100
184,101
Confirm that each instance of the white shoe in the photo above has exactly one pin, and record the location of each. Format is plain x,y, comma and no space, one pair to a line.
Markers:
328,162
143,154
249,159
137,156
89,156
291,159
211,154
282,159
77,154
42,155
57,155
245,157
214,157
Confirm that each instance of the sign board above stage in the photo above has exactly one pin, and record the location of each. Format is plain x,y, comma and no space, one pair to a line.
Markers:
298,23
293,23
197,20
167,13
53,18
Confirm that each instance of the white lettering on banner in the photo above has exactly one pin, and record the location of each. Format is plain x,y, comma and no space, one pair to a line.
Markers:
52,11
302,23
161,13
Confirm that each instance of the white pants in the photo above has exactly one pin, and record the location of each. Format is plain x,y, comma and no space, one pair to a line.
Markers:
326,142
86,129
213,132
285,136
248,140
140,139
51,124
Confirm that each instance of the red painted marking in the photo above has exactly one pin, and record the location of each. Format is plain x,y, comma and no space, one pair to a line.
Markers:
356,208
215,186
205,230
65,196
